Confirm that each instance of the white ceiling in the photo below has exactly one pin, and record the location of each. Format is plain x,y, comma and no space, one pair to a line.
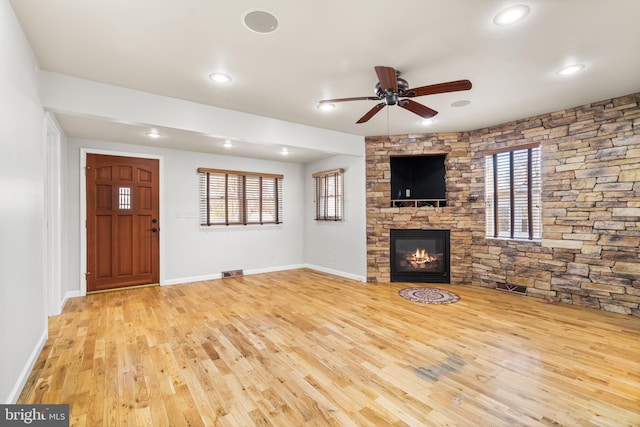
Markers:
327,49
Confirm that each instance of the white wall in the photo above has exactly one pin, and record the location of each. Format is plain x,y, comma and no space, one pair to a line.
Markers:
23,320
188,252
338,247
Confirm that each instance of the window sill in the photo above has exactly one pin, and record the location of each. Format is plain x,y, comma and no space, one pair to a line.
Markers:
515,239
239,227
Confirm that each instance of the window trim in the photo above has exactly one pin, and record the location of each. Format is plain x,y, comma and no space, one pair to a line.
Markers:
205,197
493,154
338,204
486,153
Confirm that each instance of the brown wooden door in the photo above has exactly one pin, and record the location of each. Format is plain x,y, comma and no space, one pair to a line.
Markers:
123,223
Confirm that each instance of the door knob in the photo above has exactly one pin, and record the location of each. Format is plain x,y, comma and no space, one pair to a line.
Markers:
155,229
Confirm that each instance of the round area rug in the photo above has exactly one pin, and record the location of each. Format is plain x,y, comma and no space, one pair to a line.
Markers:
429,295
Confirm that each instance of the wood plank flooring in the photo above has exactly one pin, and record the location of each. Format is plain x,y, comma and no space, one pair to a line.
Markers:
302,348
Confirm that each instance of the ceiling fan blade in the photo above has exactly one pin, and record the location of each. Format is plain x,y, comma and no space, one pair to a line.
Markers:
387,78
453,86
417,108
371,112
357,98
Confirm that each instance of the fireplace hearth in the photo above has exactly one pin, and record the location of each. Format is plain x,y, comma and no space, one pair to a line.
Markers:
420,256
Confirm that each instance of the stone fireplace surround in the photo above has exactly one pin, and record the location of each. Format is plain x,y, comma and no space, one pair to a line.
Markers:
590,251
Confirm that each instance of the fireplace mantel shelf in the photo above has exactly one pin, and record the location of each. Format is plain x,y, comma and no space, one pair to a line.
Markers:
418,203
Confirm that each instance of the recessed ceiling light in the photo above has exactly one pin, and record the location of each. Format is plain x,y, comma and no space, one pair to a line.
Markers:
260,21
220,77
570,69
461,103
511,15
325,106
153,134
227,144
284,151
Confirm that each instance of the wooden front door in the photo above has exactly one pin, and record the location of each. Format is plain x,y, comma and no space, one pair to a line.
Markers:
123,240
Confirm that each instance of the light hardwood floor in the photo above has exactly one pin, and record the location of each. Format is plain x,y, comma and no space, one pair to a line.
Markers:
302,348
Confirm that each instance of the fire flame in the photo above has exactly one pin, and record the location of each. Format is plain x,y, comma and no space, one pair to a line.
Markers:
422,256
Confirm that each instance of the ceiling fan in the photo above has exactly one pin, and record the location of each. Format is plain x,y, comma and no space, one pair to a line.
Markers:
391,88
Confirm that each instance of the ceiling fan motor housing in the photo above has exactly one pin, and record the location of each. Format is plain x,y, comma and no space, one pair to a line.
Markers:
391,89
389,97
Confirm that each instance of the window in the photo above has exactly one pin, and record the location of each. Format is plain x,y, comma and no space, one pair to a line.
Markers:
124,198
513,193
329,195
239,198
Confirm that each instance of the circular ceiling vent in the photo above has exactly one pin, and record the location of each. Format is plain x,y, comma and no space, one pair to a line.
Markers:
260,21
461,103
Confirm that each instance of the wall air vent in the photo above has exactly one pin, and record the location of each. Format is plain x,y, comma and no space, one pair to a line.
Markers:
232,273
516,289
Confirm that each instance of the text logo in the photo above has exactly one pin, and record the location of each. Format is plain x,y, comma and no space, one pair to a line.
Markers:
34,415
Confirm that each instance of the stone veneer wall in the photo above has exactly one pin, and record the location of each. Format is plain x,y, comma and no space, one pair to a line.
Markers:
590,249
381,218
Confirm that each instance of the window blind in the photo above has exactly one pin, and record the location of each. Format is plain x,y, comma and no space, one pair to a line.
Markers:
513,194
329,189
239,198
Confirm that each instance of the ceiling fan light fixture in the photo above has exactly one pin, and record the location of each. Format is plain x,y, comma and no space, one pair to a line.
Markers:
220,78
511,15
570,69
260,21
426,122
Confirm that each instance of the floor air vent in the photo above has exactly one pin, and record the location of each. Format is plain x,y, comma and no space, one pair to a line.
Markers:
232,273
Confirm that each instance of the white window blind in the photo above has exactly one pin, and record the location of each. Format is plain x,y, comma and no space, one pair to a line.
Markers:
513,194
239,198
329,189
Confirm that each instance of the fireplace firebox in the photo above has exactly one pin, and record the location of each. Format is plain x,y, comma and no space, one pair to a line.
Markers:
420,256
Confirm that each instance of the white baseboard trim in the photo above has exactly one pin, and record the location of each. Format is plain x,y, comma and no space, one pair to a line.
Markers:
192,279
203,278
67,296
274,269
28,367
169,282
71,294
336,272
